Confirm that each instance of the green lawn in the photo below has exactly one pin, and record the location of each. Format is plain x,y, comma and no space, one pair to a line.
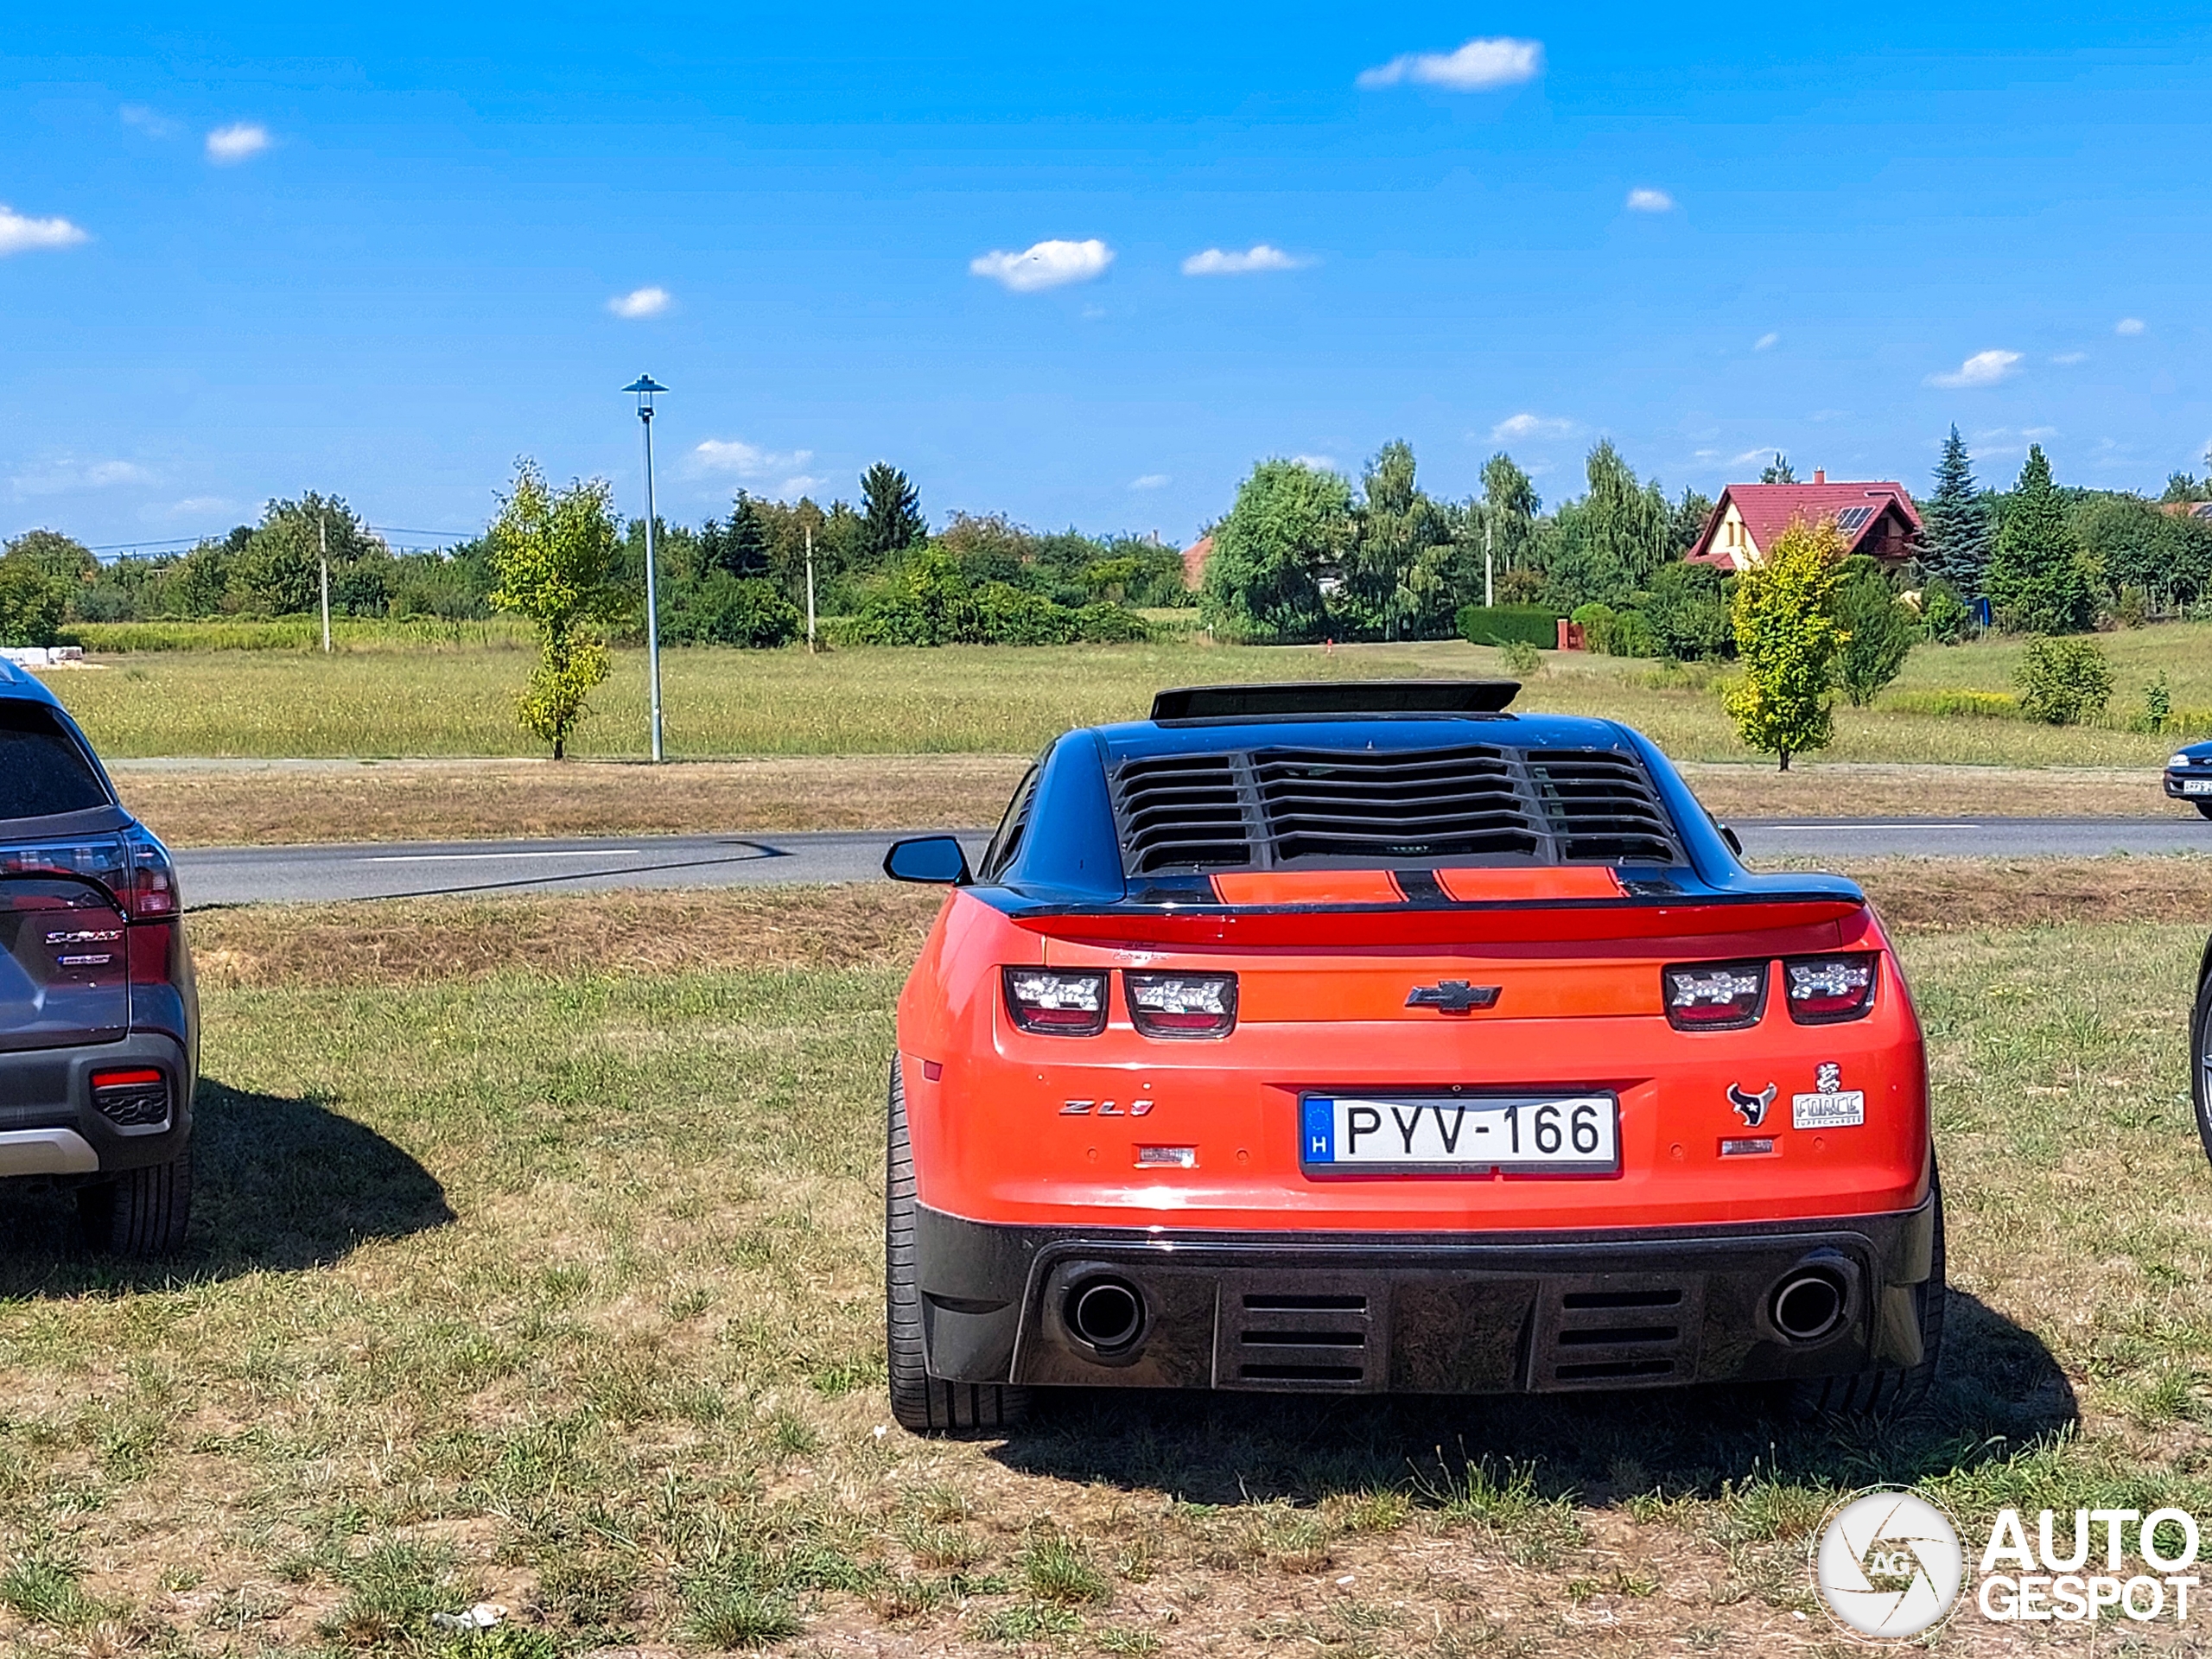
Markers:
459,700
564,1291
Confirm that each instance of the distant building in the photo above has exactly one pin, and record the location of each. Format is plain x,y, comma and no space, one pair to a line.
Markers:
1194,562
2187,510
1875,517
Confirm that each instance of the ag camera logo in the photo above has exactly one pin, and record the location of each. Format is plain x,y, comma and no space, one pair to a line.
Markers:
1888,1564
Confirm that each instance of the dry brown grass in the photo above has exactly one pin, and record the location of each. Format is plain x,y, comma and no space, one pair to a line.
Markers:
1846,790
406,942
464,800
1948,895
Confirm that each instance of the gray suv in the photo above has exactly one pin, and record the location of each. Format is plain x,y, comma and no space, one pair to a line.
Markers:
99,1023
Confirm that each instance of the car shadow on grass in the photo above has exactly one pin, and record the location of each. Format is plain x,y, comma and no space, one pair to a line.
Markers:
1998,1393
279,1184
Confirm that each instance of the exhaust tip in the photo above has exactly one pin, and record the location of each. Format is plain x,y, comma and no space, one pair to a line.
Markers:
1106,1312
1808,1305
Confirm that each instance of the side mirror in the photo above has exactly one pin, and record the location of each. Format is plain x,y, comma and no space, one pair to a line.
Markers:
935,859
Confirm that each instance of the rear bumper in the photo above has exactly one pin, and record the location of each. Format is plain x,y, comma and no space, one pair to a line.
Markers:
1420,1313
49,1125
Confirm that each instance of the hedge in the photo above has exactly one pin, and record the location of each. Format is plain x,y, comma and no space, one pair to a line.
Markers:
1495,625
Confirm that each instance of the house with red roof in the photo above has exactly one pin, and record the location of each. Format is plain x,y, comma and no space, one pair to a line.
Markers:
1194,563
1875,517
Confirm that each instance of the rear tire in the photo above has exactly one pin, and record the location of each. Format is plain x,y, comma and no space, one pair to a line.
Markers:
1883,1393
922,1404
2200,1062
140,1213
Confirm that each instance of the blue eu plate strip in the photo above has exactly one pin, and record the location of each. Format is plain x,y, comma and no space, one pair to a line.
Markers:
1320,1113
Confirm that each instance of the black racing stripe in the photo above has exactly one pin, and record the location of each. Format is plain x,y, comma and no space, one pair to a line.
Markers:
1421,886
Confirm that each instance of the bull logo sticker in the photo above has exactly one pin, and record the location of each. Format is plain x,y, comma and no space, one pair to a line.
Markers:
1751,1108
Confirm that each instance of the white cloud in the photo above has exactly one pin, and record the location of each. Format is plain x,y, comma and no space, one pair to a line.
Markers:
67,476
1150,481
640,303
1763,453
2071,357
150,121
736,458
800,483
228,145
1215,262
2128,326
193,506
1319,463
19,234
1645,200
1982,369
1478,67
1525,425
1766,341
1045,265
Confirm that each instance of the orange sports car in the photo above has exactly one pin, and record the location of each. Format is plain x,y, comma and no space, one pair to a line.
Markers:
1353,1038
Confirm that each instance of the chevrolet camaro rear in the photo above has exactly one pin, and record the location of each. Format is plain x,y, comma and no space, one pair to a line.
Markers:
1365,1037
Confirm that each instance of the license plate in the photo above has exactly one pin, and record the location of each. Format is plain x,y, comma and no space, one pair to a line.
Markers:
1566,1134
2197,785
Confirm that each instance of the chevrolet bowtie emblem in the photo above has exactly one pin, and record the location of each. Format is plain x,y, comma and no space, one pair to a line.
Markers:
1452,996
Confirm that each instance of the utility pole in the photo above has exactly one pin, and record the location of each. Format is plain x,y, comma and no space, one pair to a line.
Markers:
323,542
644,385
1490,597
809,590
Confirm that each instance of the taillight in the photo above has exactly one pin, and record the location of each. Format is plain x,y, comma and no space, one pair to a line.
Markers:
149,879
1182,1005
135,1098
1714,996
1060,1005
1821,990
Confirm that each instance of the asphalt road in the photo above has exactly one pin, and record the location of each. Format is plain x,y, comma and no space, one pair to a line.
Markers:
235,875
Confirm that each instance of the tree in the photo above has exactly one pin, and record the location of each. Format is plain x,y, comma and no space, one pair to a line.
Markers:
2036,580
1686,522
554,558
1687,612
739,547
892,517
31,602
1787,638
1262,584
1954,525
1778,471
1396,576
64,558
1877,632
1613,541
2184,486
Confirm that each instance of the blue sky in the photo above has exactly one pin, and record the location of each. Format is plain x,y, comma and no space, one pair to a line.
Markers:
254,252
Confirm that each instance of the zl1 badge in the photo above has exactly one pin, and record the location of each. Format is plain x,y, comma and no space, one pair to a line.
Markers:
1831,1106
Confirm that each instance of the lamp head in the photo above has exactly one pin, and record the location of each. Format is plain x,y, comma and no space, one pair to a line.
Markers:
644,385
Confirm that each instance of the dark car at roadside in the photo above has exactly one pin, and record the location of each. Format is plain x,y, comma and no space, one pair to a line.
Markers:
2189,775
99,1023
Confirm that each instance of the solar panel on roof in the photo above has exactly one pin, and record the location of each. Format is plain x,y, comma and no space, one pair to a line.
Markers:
1852,517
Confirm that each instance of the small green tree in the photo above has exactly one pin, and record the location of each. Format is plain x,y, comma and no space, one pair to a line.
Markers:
1954,522
1778,471
31,602
892,517
2036,580
553,560
1945,615
1787,638
1877,633
1262,584
2063,680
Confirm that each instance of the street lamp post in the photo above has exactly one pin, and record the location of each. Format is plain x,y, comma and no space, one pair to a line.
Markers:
644,386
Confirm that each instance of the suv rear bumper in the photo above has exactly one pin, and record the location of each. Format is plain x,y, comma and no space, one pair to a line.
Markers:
49,1125
1420,1313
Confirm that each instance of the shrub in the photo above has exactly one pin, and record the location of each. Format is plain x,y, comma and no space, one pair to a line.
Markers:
725,610
1521,658
2063,680
1877,634
1497,625
2158,704
31,603
1110,625
1686,609
1948,620
1634,636
1599,623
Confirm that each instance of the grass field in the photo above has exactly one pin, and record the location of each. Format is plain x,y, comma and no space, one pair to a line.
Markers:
459,700
537,1260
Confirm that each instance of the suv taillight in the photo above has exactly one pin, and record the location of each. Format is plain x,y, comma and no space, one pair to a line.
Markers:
1058,1005
1821,990
1714,996
1182,1005
148,887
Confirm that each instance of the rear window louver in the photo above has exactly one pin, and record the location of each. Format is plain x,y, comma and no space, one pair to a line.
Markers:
1181,812
1601,807
1477,803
